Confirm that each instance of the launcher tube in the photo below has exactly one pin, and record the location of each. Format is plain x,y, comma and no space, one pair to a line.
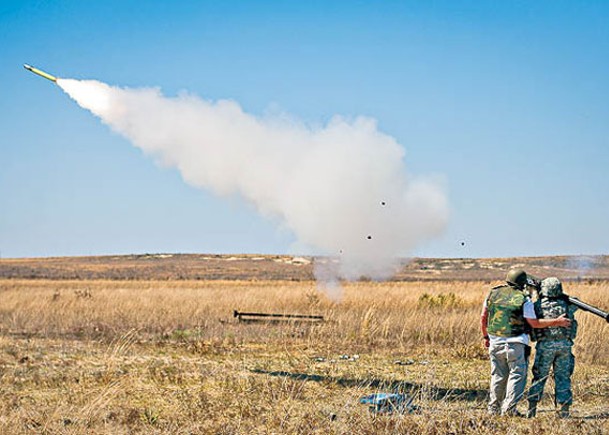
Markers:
586,307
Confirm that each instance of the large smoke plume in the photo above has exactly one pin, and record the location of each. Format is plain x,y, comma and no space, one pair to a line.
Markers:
341,188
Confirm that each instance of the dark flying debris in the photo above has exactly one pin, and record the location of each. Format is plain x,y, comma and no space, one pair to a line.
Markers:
383,203
462,243
369,237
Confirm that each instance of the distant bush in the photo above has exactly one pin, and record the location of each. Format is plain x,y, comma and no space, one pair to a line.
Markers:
443,300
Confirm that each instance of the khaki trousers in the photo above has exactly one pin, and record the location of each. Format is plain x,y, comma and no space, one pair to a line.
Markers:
509,364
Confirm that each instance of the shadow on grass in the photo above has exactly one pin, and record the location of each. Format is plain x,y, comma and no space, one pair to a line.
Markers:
599,416
427,391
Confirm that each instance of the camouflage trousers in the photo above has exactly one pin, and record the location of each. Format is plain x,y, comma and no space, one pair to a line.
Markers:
554,354
509,364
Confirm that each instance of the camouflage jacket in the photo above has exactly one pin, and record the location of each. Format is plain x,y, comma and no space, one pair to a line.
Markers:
505,311
551,308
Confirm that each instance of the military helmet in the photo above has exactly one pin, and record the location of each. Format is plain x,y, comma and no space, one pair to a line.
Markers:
551,287
516,277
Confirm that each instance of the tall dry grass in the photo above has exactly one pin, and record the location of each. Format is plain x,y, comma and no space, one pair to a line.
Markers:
396,315
168,357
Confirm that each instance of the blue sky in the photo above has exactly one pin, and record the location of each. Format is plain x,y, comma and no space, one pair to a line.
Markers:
507,101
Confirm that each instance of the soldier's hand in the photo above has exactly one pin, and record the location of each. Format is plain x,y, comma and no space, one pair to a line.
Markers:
487,342
563,321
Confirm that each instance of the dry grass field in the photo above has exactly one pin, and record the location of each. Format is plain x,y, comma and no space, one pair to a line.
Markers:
167,356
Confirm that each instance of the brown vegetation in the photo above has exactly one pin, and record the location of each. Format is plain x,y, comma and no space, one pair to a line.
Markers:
108,356
287,268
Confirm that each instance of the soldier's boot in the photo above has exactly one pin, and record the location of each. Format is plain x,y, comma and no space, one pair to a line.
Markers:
532,412
564,411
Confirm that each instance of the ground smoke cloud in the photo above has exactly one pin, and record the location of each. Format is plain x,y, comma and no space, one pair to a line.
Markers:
342,188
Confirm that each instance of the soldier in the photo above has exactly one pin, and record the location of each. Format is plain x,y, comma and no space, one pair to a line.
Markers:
553,348
506,316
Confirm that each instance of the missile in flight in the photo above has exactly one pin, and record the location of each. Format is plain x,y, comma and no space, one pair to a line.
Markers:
40,73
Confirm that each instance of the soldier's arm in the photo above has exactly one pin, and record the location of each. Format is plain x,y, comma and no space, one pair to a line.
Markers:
561,321
534,322
484,324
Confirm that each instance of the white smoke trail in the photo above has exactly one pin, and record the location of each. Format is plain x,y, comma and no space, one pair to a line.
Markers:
342,189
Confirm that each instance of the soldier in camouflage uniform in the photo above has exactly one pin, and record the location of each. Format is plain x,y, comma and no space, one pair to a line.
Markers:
506,316
553,348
